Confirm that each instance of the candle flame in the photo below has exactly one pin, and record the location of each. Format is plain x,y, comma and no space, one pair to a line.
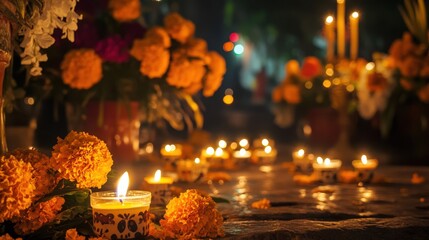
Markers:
243,142
301,153
329,19
123,183
157,176
197,160
218,152
268,149
242,152
364,159
355,15
265,142
319,160
327,161
222,143
167,148
210,151
370,66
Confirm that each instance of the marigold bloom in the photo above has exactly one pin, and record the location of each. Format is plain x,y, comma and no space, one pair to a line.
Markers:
185,72
423,93
193,215
82,158
277,94
196,47
292,67
179,28
8,237
153,55
125,10
159,35
81,68
46,179
292,93
17,186
410,66
38,215
72,234
376,82
262,204
311,68
217,68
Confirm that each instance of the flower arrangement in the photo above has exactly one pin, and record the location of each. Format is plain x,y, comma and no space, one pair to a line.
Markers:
161,67
302,87
44,196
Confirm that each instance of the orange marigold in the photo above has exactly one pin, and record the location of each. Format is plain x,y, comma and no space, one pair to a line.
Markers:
46,179
311,68
81,68
17,186
82,158
292,93
423,93
410,66
179,28
38,215
72,234
277,94
217,68
185,72
8,237
159,35
125,10
196,47
292,67
262,204
376,82
153,55
193,215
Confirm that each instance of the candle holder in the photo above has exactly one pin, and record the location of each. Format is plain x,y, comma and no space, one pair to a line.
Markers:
190,171
171,152
266,155
365,168
241,157
327,170
126,217
160,189
303,162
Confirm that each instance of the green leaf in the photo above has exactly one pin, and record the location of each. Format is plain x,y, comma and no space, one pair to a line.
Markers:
220,200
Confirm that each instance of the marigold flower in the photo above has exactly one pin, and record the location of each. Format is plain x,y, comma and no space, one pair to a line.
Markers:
196,47
46,179
217,68
185,72
38,215
82,158
179,28
8,237
292,67
154,57
159,35
193,215
125,10
81,68
292,93
262,204
410,66
376,82
311,68
277,94
17,186
72,234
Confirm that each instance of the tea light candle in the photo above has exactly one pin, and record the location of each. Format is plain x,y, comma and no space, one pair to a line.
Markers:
265,156
263,142
190,170
302,161
222,144
365,168
123,214
244,143
242,154
216,158
171,151
327,169
159,186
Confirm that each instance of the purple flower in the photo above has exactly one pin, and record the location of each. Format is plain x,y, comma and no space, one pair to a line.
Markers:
113,49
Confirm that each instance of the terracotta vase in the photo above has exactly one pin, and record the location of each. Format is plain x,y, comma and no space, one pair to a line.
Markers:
5,57
325,127
117,124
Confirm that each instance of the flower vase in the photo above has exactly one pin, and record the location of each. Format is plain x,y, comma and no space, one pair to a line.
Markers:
5,57
117,124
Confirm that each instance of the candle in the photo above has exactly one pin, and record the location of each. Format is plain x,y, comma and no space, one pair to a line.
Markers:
242,154
123,214
171,151
263,142
330,38
222,144
159,186
327,169
341,28
354,35
244,143
302,161
265,156
365,168
191,170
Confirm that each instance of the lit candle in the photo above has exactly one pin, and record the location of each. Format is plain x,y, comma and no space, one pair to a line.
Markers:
123,214
171,151
264,156
327,169
330,38
191,170
341,28
263,142
244,143
222,144
354,35
302,161
242,154
365,164
159,186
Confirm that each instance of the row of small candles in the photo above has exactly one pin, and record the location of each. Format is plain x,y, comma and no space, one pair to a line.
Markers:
327,168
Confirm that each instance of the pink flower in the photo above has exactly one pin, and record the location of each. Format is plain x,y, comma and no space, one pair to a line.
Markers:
113,49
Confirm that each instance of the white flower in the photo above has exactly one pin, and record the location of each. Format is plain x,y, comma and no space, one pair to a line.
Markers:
55,14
